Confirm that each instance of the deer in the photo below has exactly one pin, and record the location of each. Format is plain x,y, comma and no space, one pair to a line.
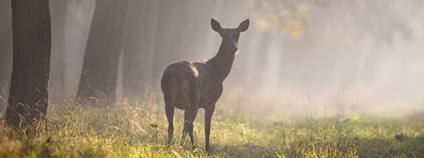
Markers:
190,86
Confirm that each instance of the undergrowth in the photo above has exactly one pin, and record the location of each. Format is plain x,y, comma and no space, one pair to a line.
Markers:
137,128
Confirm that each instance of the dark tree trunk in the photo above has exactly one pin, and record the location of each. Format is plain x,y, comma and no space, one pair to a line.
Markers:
100,69
28,97
5,51
132,63
57,82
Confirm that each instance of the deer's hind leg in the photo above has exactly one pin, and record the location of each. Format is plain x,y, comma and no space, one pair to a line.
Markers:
189,117
169,110
191,112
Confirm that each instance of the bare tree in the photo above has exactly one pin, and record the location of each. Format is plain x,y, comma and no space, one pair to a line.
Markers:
28,98
100,69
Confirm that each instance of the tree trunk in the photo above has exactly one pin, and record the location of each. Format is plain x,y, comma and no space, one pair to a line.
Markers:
5,42
132,63
5,51
28,97
100,69
57,82
150,18
168,16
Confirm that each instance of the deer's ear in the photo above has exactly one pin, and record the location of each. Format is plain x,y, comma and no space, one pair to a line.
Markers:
216,26
243,26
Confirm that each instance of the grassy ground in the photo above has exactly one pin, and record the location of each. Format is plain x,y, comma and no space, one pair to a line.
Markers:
138,129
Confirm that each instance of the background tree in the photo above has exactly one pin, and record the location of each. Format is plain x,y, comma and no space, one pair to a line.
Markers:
166,28
132,63
57,81
100,69
5,51
28,96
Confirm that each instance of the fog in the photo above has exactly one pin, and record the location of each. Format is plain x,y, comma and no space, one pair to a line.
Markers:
296,57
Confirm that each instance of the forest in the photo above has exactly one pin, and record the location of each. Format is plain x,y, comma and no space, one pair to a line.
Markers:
311,78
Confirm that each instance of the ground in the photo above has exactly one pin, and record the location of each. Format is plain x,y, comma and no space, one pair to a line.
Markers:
137,128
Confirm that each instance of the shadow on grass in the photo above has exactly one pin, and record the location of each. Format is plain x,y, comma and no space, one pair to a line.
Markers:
391,147
407,146
244,150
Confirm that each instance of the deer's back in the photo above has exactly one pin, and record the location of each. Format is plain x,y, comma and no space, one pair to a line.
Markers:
181,77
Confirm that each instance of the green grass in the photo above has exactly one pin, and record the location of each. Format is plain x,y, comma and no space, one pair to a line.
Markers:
126,131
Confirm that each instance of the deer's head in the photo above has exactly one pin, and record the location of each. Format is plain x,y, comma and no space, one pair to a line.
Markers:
230,36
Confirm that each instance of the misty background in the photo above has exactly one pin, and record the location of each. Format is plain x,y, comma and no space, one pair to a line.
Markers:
296,57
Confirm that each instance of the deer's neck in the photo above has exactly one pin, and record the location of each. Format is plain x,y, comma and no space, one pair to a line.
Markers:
222,62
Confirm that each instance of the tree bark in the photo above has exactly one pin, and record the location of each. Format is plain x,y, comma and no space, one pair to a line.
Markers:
28,97
132,63
100,69
5,51
168,16
57,82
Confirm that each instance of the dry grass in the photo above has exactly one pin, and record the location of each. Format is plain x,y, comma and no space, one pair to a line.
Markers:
137,128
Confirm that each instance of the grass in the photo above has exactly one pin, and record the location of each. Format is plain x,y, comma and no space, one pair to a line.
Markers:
137,128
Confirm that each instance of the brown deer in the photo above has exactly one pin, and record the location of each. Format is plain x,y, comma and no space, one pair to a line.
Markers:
193,85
